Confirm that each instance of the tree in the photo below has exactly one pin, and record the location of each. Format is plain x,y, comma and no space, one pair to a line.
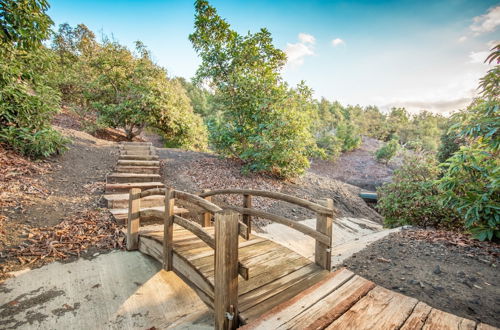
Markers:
263,122
129,91
387,151
471,182
28,102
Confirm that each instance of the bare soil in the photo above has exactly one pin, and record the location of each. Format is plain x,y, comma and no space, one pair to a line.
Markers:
460,276
194,171
358,167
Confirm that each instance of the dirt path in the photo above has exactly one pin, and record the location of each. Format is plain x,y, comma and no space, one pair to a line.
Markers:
461,279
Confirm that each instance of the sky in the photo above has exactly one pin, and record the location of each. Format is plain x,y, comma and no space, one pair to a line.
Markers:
422,54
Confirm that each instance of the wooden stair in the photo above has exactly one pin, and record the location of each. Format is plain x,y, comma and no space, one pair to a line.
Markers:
137,167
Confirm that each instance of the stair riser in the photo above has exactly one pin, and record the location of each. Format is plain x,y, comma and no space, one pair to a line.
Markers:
112,179
121,204
137,152
138,163
132,157
138,169
136,144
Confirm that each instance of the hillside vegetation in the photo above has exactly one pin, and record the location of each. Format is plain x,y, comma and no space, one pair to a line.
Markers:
239,107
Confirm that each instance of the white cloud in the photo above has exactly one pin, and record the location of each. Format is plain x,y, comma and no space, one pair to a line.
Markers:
306,38
478,57
337,42
462,38
487,22
298,51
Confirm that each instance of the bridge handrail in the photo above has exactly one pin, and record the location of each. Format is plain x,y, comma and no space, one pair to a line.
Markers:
274,195
284,221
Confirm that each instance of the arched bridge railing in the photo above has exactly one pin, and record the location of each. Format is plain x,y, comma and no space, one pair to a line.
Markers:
223,293
324,218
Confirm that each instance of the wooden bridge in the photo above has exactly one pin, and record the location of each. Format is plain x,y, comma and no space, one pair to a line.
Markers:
253,282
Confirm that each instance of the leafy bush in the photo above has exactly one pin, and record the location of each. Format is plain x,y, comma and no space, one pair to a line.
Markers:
331,145
348,133
412,198
28,102
41,143
471,186
387,151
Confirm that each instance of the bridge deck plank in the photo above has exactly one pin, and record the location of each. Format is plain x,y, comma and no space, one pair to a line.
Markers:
276,273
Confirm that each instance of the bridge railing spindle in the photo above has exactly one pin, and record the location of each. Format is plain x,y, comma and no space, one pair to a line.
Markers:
168,229
133,219
323,252
226,270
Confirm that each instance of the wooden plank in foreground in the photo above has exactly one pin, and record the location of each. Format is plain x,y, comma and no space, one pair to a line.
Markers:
379,309
332,306
441,320
276,316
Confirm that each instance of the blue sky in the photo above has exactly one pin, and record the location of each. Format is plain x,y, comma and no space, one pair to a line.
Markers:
417,54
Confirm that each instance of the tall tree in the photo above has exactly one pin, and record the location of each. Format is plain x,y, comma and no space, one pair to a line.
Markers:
264,123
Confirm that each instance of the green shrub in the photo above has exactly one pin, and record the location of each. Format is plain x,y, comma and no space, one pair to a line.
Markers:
35,144
387,151
412,198
331,145
471,186
348,133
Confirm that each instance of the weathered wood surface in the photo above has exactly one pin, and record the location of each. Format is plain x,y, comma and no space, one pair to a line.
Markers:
271,268
138,169
155,163
323,251
132,177
274,195
343,300
323,238
139,157
125,187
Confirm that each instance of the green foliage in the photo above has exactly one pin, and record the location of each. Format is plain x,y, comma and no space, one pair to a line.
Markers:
23,25
387,151
471,181
412,198
330,144
348,133
41,143
450,141
28,102
201,99
471,186
262,121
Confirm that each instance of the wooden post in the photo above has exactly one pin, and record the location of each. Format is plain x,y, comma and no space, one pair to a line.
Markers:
168,229
226,270
206,217
323,253
134,218
247,219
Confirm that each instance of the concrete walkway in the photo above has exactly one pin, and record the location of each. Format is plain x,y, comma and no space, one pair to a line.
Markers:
119,290
350,235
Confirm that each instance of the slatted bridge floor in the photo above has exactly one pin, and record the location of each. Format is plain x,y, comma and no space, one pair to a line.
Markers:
276,273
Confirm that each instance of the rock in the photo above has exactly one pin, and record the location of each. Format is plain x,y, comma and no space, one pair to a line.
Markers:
95,254
437,270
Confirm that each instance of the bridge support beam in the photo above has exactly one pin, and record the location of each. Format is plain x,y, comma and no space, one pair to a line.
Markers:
226,270
323,252
134,218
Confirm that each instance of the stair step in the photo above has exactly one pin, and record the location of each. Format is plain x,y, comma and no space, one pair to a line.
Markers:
119,201
138,169
132,177
122,214
138,157
126,162
137,153
125,187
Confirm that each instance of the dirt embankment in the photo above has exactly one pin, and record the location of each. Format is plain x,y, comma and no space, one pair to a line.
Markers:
358,167
193,172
